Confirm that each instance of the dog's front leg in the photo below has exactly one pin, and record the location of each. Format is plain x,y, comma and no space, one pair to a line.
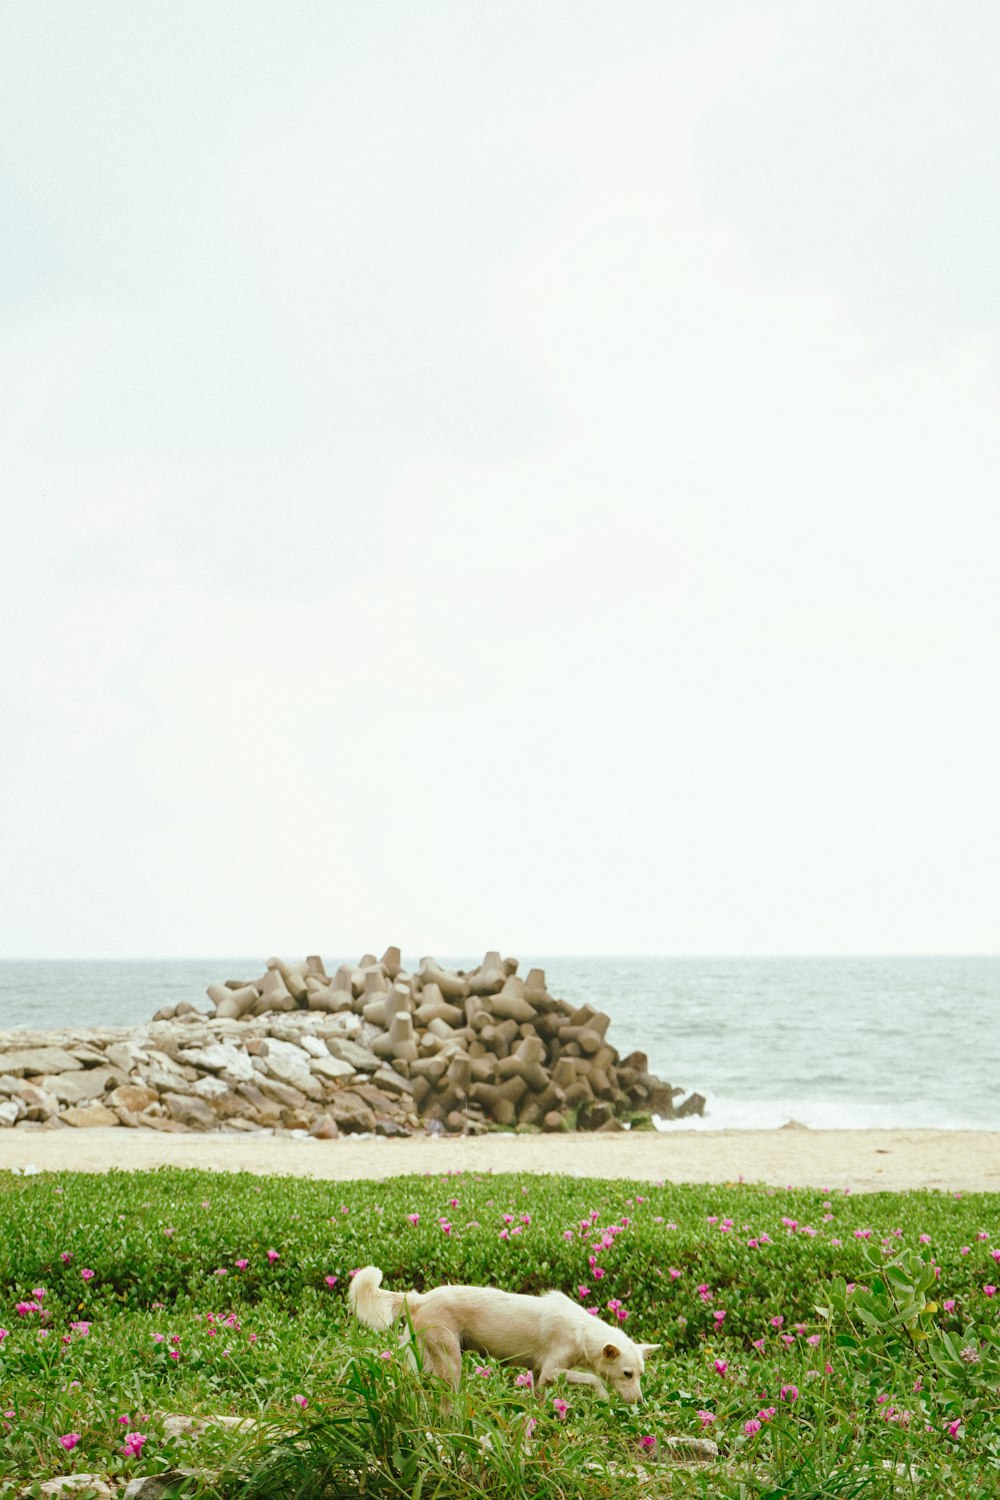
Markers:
574,1377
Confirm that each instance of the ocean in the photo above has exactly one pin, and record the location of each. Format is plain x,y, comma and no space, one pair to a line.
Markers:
828,1042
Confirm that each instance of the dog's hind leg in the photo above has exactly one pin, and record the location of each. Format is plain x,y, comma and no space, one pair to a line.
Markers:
442,1353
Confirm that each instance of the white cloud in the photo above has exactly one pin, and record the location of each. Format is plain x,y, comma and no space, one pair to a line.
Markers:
701,664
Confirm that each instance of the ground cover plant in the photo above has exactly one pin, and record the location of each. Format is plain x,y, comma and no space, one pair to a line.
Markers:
832,1345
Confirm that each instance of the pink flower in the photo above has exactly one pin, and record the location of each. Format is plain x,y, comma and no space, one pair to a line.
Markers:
272,1256
222,1271
561,1408
525,1379
990,1291
241,1265
4,1332
583,1291
789,1393
948,1304
953,1428
65,1257
39,1292
706,1418
124,1421
751,1427
483,1370
673,1273
721,1366
719,1316
133,1444
300,1401
778,1322
69,1440
766,1413
331,1281
413,1218
87,1274
386,1354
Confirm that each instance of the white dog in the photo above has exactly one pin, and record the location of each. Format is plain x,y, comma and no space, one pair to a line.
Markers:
550,1335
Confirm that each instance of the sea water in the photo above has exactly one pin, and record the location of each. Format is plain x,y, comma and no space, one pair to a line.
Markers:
828,1042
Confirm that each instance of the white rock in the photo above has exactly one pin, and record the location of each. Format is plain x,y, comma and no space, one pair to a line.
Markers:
67,1484
331,1067
210,1088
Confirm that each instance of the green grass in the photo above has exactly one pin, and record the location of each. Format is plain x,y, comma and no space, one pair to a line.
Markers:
879,1367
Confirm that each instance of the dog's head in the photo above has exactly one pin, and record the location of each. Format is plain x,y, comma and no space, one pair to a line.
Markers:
621,1365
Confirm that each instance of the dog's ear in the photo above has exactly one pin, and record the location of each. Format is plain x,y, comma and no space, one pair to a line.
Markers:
610,1352
645,1349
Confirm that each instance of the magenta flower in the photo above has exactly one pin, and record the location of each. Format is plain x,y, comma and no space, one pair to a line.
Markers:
953,1428
241,1265
561,1408
65,1257
272,1256
990,1291
69,1440
413,1218
721,1366
751,1427
706,1418
331,1281
300,1401
525,1379
647,1441
789,1393
124,1421
88,1274
948,1304
3,1334
134,1443
483,1370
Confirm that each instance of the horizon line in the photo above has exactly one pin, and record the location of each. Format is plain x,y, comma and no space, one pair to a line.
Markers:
728,954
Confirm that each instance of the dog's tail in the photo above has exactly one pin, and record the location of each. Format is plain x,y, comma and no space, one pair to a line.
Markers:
373,1306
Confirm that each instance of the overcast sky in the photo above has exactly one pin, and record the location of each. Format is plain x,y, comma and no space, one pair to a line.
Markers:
499,474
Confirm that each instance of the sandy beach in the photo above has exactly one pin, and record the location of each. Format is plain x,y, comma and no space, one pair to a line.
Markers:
863,1160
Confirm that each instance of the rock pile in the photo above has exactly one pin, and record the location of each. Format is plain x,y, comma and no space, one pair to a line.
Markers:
372,1049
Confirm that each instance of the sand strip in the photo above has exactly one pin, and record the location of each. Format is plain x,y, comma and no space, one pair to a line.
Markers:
863,1160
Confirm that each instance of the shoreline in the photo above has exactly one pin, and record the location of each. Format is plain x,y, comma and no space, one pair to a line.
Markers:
859,1160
